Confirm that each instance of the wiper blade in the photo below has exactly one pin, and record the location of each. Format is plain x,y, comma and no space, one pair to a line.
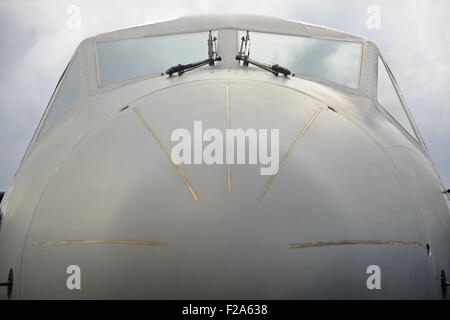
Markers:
212,58
244,56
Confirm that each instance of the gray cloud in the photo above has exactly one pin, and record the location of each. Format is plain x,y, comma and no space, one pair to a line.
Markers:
36,46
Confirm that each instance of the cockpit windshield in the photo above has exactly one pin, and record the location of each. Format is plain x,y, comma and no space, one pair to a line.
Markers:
132,58
337,61
334,60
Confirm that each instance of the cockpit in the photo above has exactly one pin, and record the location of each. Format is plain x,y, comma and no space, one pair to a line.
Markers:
325,56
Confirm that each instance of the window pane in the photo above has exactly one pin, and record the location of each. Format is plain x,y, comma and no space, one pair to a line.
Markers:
124,59
388,98
66,97
338,61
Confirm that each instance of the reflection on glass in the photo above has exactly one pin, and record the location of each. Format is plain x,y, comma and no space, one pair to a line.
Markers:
125,59
388,98
338,61
66,97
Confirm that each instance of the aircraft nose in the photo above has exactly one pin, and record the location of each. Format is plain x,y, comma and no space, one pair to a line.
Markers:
123,210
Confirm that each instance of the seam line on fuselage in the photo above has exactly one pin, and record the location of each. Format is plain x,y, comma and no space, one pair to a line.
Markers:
290,150
166,152
90,242
226,139
353,242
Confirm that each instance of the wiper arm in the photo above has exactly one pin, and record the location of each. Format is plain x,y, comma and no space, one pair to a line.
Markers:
274,68
182,68
244,56
212,58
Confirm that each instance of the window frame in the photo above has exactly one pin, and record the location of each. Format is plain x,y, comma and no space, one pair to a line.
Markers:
37,136
323,80
416,138
133,79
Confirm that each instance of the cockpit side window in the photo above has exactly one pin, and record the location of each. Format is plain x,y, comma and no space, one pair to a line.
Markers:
4,196
65,97
388,98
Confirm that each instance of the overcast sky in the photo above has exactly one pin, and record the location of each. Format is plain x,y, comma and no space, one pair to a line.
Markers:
37,40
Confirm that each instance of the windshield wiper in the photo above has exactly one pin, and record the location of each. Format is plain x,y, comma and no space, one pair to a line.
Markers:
244,56
212,58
